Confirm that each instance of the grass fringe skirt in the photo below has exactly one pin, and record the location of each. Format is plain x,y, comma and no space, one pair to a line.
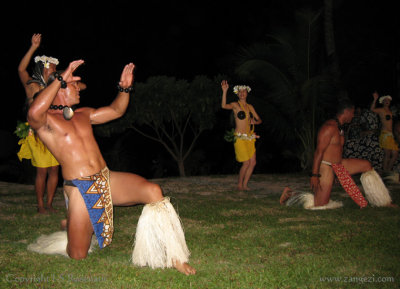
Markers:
159,240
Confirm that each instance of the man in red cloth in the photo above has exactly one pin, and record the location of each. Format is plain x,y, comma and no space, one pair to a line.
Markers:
328,162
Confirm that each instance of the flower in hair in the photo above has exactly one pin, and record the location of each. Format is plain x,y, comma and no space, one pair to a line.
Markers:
237,88
46,60
382,98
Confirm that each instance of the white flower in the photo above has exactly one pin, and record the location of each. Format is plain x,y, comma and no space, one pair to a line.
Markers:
46,60
237,88
381,99
244,136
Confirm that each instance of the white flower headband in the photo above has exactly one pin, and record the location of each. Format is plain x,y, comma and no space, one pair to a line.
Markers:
241,87
382,98
46,60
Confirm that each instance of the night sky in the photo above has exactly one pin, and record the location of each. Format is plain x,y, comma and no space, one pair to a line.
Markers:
182,39
178,38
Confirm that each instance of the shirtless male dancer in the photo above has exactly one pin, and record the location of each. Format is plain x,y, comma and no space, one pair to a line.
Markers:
328,161
68,134
386,138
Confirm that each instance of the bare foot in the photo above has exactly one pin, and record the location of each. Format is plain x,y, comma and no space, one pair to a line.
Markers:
391,205
246,188
286,194
63,224
184,268
42,210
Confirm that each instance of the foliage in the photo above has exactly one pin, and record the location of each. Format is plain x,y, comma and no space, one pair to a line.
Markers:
230,135
22,129
172,112
293,92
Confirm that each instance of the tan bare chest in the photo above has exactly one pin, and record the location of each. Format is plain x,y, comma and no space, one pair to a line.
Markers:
79,127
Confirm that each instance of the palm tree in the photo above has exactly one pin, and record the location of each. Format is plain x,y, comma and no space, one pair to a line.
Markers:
291,86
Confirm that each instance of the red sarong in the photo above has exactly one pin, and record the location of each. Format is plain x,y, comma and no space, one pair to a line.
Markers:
349,185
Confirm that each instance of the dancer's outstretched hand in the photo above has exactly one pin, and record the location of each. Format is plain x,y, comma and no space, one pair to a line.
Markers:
36,39
224,85
67,74
126,79
375,95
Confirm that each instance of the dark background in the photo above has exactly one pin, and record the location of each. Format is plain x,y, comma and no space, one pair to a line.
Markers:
181,39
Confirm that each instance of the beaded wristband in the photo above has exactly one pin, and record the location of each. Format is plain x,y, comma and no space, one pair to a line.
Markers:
127,90
315,175
59,77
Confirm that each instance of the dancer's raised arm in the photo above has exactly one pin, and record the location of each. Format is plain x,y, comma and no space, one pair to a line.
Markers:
118,107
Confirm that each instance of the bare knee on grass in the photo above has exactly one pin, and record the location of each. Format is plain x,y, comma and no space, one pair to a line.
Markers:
321,197
79,239
77,254
79,227
323,193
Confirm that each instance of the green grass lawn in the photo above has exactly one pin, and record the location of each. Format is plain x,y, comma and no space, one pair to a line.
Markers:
236,241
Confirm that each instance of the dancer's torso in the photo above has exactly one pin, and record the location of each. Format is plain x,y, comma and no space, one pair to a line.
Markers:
73,144
243,116
386,118
334,151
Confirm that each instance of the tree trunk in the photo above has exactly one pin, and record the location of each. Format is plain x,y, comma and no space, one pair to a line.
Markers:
330,37
181,168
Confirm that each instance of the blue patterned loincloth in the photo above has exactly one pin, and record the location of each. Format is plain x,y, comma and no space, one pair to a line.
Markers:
96,193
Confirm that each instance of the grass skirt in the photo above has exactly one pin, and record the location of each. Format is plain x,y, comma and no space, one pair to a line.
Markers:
55,244
306,200
159,240
375,190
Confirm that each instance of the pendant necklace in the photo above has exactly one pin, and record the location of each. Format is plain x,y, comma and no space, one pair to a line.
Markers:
68,112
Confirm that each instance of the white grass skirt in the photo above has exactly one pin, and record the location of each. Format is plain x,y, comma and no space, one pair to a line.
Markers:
306,200
375,190
55,244
159,240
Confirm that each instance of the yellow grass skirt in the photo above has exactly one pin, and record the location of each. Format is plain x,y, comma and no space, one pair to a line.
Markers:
386,141
32,148
244,149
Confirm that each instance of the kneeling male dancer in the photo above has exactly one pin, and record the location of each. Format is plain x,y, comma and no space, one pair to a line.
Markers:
92,189
328,161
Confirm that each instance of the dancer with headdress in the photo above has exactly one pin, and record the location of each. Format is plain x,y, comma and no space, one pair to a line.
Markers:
386,139
328,162
244,136
92,189
31,146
